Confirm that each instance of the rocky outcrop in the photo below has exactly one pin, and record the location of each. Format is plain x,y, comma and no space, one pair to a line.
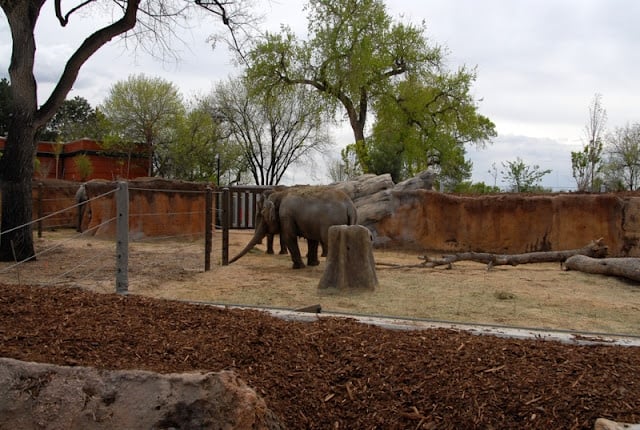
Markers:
34,396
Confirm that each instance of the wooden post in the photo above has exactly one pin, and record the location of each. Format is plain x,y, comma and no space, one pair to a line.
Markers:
122,238
350,263
208,228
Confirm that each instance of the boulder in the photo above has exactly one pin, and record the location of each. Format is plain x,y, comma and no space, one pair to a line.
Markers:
34,396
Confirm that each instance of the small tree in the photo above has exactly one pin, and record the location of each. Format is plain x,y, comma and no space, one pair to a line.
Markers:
586,164
522,178
623,158
143,110
84,166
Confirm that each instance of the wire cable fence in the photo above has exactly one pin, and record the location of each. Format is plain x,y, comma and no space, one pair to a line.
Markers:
168,235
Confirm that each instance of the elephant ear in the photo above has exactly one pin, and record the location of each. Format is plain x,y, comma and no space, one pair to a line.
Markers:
269,212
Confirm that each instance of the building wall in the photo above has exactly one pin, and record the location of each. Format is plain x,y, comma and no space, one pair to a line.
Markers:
109,165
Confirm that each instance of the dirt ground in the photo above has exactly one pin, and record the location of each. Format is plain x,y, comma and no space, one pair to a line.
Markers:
534,295
335,372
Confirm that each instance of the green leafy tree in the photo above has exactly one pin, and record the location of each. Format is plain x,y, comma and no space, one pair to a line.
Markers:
84,166
200,150
274,129
155,21
622,167
521,177
468,187
74,119
587,164
352,55
5,106
426,125
142,112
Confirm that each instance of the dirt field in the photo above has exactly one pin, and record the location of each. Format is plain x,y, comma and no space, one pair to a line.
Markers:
535,295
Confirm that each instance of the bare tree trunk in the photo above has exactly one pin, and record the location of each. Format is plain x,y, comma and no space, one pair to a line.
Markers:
596,249
623,267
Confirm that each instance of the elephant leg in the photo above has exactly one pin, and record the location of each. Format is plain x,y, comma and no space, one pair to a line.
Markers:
269,244
324,249
283,247
291,240
312,254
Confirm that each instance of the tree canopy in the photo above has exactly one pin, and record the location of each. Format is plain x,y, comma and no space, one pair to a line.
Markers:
142,111
273,130
352,53
587,164
622,165
422,125
361,61
74,119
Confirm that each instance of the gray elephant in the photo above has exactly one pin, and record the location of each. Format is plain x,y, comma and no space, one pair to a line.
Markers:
302,211
81,199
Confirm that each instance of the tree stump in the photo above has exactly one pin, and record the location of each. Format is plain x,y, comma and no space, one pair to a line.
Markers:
350,263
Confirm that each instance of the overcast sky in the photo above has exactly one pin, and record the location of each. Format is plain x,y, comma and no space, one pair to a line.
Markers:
539,64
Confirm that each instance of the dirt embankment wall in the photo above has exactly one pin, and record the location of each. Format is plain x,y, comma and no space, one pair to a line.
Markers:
512,223
157,207
428,220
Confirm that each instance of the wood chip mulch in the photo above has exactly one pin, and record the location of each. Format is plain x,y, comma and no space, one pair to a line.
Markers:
332,373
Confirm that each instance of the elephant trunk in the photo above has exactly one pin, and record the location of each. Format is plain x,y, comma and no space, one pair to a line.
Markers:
259,234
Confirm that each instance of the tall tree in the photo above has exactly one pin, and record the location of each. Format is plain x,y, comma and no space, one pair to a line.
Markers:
5,106
351,56
74,119
274,129
622,167
28,117
586,164
143,111
426,124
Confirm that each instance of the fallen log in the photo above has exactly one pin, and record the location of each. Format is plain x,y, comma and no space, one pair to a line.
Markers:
595,249
625,267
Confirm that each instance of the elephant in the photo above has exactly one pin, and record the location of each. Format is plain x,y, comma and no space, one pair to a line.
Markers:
81,199
302,211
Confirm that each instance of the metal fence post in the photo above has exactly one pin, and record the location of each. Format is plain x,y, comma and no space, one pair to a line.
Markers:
208,228
40,209
225,218
122,238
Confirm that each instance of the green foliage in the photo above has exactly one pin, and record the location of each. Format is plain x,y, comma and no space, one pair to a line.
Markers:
468,187
84,166
5,106
142,111
199,151
522,178
425,124
74,120
622,167
351,55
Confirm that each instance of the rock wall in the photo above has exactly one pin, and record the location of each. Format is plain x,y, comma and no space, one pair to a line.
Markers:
407,214
39,396
510,223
